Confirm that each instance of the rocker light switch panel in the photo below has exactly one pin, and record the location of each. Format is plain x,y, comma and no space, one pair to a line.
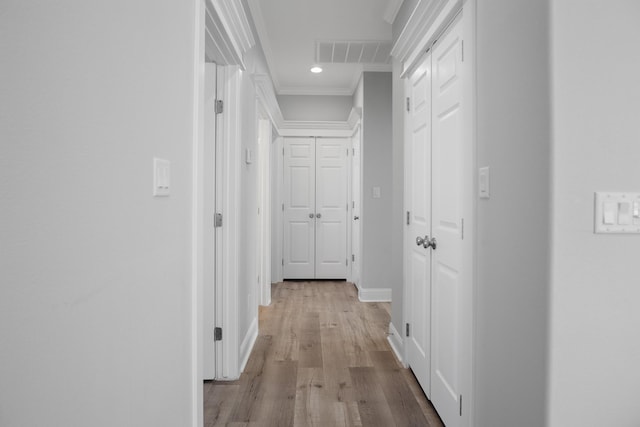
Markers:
161,177
617,213
483,183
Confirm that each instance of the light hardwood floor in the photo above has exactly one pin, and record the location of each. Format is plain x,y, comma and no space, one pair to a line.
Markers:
321,359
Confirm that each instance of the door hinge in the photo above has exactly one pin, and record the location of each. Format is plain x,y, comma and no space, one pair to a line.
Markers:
408,218
347,206
462,229
346,262
353,204
353,257
462,49
283,207
217,221
217,334
283,151
460,405
219,106
347,152
407,331
283,262
353,151
408,104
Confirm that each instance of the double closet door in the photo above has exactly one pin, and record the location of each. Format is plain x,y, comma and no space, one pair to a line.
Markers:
315,208
436,284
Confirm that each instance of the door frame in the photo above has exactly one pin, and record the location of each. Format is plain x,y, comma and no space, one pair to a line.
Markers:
411,59
355,195
264,144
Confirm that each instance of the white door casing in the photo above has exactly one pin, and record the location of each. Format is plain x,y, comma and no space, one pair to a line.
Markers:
356,181
263,230
418,162
208,231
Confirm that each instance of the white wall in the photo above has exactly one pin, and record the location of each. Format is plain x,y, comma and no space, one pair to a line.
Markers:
513,240
315,107
595,319
248,290
95,301
377,164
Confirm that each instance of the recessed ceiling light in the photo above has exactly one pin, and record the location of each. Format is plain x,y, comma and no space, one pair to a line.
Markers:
316,69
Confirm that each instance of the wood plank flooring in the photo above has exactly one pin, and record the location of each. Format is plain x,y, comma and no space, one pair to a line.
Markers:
321,359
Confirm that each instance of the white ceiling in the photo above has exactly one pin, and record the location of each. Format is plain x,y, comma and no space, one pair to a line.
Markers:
290,30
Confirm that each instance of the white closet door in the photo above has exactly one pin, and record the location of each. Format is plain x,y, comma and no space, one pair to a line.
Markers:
418,203
447,192
331,208
299,208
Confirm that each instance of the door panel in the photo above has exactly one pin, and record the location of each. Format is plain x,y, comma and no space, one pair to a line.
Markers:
299,205
331,208
446,225
418,203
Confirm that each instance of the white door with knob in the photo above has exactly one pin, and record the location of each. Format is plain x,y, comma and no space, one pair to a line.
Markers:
418,204
315,208
436,283
446,225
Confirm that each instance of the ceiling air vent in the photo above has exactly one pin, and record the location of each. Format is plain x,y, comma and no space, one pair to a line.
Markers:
353,52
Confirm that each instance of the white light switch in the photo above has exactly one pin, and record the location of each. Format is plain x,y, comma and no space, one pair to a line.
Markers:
609,213
483,183
617,213
376,192
624,213
161,177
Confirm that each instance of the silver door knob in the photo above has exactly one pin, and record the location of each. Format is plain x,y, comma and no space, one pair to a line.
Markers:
356,218
419,241
311,215
430,243
318,215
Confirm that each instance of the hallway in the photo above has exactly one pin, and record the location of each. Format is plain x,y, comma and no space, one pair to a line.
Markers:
321,359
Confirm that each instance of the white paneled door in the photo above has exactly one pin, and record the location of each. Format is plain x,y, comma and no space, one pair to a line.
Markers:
331,208
418,203
299,208
434,239
447,191
315,208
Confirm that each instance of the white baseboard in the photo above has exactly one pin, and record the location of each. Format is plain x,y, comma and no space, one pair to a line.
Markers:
374,295
396,343
247,343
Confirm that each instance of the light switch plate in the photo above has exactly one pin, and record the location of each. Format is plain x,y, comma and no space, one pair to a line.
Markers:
161,177
617,213
376,192
483,183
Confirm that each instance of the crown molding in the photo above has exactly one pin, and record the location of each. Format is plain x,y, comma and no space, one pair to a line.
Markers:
390,13
354,117
266,95
377,67
293,90
430,35
255,9
418,23
229,32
